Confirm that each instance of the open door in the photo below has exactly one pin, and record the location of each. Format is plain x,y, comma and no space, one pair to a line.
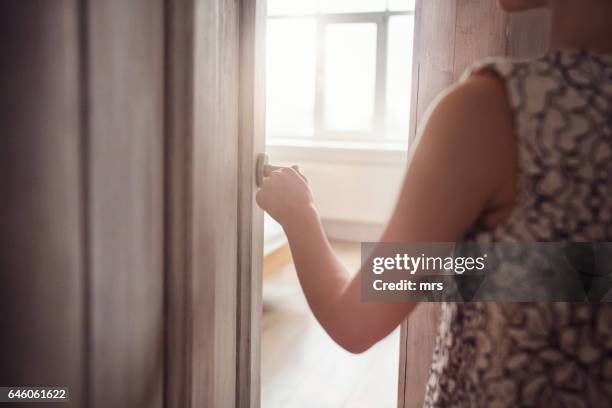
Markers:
213,227
130,257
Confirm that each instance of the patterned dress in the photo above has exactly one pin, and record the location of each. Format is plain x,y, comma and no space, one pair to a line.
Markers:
541,354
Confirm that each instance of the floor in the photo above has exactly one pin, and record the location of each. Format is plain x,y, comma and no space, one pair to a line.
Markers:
303,368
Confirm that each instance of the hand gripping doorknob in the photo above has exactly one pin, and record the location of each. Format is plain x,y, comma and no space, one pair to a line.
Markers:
263,169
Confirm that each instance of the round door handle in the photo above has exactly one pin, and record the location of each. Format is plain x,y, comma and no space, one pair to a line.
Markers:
263,169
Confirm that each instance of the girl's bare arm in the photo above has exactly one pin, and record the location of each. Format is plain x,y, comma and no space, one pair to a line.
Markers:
464,164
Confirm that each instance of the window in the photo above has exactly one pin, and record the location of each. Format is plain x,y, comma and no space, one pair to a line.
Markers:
339,70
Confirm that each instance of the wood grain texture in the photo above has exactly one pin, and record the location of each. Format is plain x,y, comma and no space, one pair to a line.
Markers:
434,53
214,244
434,64
41,213
480,31
250,217
417,344
448,38
125,189
215,204
179,102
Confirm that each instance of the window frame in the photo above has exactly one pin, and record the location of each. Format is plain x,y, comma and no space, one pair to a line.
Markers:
322,20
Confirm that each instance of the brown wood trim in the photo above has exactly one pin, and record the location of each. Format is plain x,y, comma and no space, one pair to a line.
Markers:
412,138
403,368
250,228
203,63
214,199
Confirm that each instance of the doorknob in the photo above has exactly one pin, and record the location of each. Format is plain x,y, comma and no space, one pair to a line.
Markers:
263,169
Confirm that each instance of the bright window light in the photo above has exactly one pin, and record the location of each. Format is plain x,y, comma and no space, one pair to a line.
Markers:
399,76
351,6
350,76
291,7
339,70
290,77
400,5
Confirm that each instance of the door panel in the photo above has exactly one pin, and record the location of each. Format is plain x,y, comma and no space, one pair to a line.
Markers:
130,238
202,168
124,132
215,203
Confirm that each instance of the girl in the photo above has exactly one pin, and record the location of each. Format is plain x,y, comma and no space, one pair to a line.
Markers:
517,151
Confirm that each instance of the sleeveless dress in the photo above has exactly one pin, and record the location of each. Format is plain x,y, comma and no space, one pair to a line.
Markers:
540,354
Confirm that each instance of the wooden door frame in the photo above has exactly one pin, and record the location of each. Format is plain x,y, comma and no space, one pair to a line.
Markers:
214,67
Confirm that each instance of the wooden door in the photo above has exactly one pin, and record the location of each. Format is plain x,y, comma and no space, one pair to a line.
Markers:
123,134
250,227
130,245
449,36
81,248
214,236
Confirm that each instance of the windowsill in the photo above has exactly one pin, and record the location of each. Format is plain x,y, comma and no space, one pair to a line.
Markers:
338,152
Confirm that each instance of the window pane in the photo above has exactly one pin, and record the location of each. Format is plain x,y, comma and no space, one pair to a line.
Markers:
399,76
351,6
350,71
287,7
290,76
401,5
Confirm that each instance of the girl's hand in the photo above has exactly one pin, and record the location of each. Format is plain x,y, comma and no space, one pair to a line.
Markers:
285,195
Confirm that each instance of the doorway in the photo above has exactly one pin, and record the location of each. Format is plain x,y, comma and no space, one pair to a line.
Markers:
338,90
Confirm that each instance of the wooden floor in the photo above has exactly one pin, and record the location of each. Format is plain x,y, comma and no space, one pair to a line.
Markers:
303,368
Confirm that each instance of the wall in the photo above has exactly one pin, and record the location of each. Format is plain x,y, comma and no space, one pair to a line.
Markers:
355,187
